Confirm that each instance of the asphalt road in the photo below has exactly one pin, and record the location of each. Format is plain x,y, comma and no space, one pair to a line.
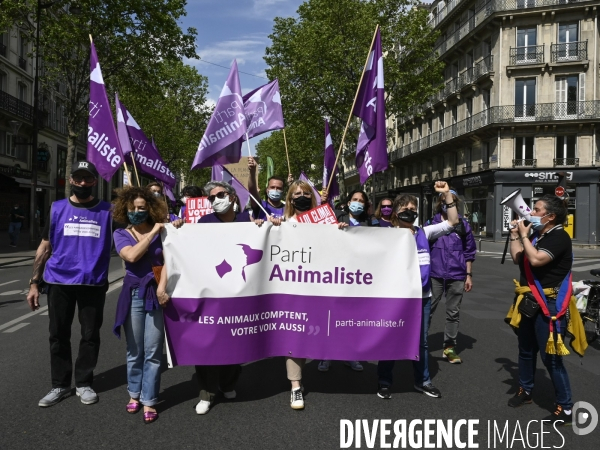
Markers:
260,417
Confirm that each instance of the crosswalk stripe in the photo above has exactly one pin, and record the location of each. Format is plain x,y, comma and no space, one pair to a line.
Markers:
585,268
583,261
18,327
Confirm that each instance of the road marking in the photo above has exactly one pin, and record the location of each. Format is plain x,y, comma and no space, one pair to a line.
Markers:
20,319
20,291
583,261
18,327
45,313
114,287
584,268
8,282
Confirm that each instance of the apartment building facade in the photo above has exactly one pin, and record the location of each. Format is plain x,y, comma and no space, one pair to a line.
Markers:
520,107
17,70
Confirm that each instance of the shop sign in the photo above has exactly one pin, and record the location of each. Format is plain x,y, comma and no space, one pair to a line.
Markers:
546,176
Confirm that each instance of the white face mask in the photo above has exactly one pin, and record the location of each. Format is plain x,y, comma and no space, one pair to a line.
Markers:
221,205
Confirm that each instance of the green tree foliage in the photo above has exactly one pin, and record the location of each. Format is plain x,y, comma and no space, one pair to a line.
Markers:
318,58
133,39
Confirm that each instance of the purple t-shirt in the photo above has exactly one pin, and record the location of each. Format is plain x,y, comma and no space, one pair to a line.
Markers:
243,216
385,223
143,266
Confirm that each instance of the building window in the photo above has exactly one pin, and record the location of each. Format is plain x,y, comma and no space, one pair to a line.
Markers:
3,82
568,35
569,91
524,98
566,147
454,114
6,145
23,92
526,45
524,147
485,152
4,44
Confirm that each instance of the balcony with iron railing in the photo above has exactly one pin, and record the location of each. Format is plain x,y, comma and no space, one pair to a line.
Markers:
456,84
533,54
484,9
15,106
524,163
569,51
508,114
440,14
566,162
22,63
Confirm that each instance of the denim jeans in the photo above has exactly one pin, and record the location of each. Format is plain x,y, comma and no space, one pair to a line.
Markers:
533,335
454,290
145,334
14,228
420,367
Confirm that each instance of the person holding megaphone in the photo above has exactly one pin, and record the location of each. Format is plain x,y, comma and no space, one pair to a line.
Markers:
543,297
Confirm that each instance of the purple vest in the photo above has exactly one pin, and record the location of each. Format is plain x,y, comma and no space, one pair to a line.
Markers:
424,259
81,241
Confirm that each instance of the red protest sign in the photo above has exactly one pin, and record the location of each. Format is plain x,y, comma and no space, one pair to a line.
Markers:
320,214
197,207
559,191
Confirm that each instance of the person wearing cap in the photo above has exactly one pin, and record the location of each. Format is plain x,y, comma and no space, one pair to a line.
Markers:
452,257
73,259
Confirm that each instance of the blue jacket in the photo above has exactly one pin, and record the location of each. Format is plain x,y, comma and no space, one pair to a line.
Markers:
450,253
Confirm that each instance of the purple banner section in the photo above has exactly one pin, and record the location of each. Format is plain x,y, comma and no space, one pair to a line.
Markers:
220,331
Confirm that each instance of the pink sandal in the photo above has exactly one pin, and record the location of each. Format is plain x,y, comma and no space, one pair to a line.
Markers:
133,407
150,416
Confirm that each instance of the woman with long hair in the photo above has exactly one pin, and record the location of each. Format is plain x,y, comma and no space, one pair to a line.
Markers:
383,213
139,307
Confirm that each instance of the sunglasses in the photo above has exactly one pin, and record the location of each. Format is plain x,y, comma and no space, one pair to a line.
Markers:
304,194
79,178
222,194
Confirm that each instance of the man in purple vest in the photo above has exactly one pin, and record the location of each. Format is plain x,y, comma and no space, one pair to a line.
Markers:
73,258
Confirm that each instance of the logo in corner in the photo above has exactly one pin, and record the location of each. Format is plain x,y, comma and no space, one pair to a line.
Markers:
253,256
585,418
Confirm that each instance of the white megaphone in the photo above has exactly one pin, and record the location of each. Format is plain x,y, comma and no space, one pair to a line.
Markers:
515,202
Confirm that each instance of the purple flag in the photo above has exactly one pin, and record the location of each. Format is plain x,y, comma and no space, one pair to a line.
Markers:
220,173
147,158
304,178
222,143
371,150
169,193
103,148
263,110
329,168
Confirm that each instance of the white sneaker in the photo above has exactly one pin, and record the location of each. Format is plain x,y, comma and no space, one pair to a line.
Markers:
202,407
297,400
324,365
87,395
354,365
229,395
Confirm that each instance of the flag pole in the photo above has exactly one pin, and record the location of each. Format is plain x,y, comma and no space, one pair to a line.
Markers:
135,168
353,103
286,152
258,204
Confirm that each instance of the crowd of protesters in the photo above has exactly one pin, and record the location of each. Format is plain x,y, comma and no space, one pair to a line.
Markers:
72,267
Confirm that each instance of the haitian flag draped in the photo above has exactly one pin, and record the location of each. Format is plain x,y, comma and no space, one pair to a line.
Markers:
329,168
263,110
255,299
134,142
222,140
220,173
371,150
304,178
103,148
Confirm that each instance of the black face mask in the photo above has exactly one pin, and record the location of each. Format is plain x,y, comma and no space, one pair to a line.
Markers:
302,204
81,192
407,216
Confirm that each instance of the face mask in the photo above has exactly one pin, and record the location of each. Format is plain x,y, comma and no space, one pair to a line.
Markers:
81,192
408,216
156,194
302,203
183,200
536,222
235,207
221,205
356,208
386,210
137,217
274,195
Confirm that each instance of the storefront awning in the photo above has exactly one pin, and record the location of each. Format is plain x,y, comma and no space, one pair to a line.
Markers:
26,182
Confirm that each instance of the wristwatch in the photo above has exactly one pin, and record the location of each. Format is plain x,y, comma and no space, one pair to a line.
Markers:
33,281
469,274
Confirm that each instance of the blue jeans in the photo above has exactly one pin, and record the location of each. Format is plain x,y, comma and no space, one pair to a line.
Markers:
420,367
533,335
14,228
145,334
